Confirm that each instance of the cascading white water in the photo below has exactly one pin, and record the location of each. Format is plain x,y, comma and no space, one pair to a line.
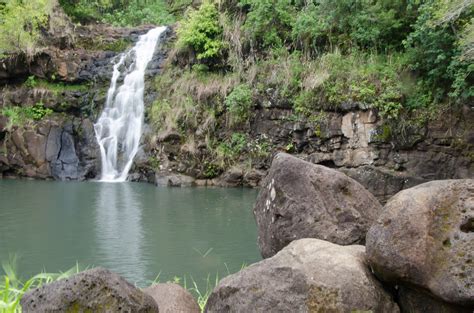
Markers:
119,128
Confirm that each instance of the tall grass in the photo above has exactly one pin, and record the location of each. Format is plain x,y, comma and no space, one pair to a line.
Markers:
12,288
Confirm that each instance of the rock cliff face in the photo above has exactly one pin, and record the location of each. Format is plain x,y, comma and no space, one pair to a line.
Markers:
360,145
68,80
355,141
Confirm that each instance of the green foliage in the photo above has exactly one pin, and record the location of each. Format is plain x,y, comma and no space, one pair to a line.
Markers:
371,81
203,295
268,22
281,71
201,31
290,147
239,103
178,7
362,24
233,147
154,163
18,116
55,87
31,82
98,43
119,12
21,23
259,148
434,53
12,288
211,170
36,112
137,13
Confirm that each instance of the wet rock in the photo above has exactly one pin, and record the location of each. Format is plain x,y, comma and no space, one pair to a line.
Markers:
35,144
88,150
61,154
425,237
309,275
231,178
172,298
302,200
96,290
393,181
173,180
253,177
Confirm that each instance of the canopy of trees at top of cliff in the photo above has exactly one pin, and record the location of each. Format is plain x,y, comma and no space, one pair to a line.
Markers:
376,43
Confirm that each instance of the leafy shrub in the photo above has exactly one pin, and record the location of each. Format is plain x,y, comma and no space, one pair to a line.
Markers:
230,150
31,82
137,13
200,30
434,49
19,115
21,23
268,22
119,12
37,112
211,170
239,103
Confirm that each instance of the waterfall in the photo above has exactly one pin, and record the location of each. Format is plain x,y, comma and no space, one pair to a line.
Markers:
119,127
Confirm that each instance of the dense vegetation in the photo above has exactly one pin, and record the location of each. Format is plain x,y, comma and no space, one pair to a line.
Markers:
118,12
397,54
411,60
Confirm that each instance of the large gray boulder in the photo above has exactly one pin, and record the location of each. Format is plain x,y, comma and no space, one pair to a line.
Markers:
299,199
96,290
172,298
425,238
309,275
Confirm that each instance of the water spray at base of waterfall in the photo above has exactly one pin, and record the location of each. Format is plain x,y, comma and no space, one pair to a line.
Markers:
119,128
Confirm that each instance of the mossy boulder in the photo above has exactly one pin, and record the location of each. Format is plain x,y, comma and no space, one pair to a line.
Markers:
309,275
425,238
95,290
299,199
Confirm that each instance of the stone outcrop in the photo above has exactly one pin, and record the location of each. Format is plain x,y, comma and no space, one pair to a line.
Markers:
309,275
172,298
354,140
303,200
53,148
96,290
425,238
174,180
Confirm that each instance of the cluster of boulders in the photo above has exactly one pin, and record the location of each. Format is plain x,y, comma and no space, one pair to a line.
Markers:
313,223
418,256
99,290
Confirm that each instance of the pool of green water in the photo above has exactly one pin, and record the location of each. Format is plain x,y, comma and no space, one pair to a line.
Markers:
137,230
